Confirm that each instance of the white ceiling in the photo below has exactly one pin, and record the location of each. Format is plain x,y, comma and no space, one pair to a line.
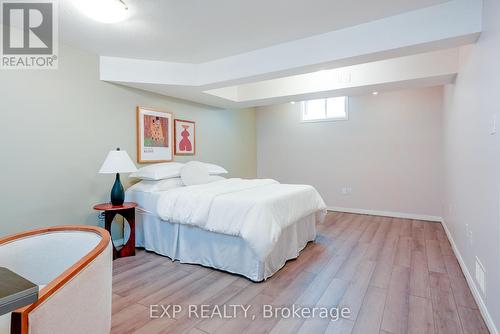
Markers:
196,31
223,82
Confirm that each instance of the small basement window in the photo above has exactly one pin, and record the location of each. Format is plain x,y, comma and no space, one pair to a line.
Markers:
331,109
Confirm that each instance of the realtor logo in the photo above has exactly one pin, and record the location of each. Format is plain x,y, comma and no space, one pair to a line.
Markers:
29,35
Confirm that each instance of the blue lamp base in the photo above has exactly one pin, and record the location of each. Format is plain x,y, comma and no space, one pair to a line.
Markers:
117,192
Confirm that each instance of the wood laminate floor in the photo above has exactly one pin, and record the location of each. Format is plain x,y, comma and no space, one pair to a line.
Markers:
395,275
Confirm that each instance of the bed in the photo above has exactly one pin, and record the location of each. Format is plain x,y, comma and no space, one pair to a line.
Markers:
245,227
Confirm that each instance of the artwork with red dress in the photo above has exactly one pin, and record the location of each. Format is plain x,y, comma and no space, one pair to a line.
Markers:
185,137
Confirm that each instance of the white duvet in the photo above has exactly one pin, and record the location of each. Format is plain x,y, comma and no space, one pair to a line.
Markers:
256,210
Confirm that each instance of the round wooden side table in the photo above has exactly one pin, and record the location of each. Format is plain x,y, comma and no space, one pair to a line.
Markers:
127,211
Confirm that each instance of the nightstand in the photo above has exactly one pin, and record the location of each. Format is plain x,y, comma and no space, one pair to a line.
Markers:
127,211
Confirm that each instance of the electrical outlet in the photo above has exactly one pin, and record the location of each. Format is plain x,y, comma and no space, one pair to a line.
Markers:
346,190
468,233
493,125
100,219
480,276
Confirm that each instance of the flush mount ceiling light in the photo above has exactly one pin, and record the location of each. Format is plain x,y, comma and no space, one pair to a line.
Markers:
105,11
374,93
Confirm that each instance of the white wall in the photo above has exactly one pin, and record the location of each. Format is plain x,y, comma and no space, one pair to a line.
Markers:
388,152
472,160
57,126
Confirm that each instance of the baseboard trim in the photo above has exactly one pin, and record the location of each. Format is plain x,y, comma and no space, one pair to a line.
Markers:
386,213
472,284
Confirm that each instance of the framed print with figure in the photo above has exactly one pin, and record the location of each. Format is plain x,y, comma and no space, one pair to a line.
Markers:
154,135
185,137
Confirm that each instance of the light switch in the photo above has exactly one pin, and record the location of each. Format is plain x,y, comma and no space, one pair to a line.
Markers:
493,129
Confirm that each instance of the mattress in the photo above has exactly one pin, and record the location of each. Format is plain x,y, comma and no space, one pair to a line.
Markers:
194,245
148,201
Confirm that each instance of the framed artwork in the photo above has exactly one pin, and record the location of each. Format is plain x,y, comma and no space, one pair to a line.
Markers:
154,135
185,137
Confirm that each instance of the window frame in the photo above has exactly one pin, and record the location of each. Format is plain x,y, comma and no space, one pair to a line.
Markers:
326,119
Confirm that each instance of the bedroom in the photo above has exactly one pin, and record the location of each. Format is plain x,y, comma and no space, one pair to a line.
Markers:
337,175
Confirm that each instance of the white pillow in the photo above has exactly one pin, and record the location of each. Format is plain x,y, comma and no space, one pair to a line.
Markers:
150,186
194,172
161,171
214,169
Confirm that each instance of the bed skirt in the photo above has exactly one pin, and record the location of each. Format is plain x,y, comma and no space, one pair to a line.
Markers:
190,244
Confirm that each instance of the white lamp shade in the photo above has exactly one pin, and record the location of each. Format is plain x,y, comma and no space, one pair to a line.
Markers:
117,162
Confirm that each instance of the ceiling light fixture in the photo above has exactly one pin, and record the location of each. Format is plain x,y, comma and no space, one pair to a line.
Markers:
374,93
105,11
293,102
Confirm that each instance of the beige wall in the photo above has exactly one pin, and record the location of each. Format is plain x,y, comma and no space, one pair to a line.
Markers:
388,152
472,158
57,126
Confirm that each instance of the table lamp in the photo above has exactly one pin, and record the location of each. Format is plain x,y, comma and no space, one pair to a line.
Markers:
117,162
